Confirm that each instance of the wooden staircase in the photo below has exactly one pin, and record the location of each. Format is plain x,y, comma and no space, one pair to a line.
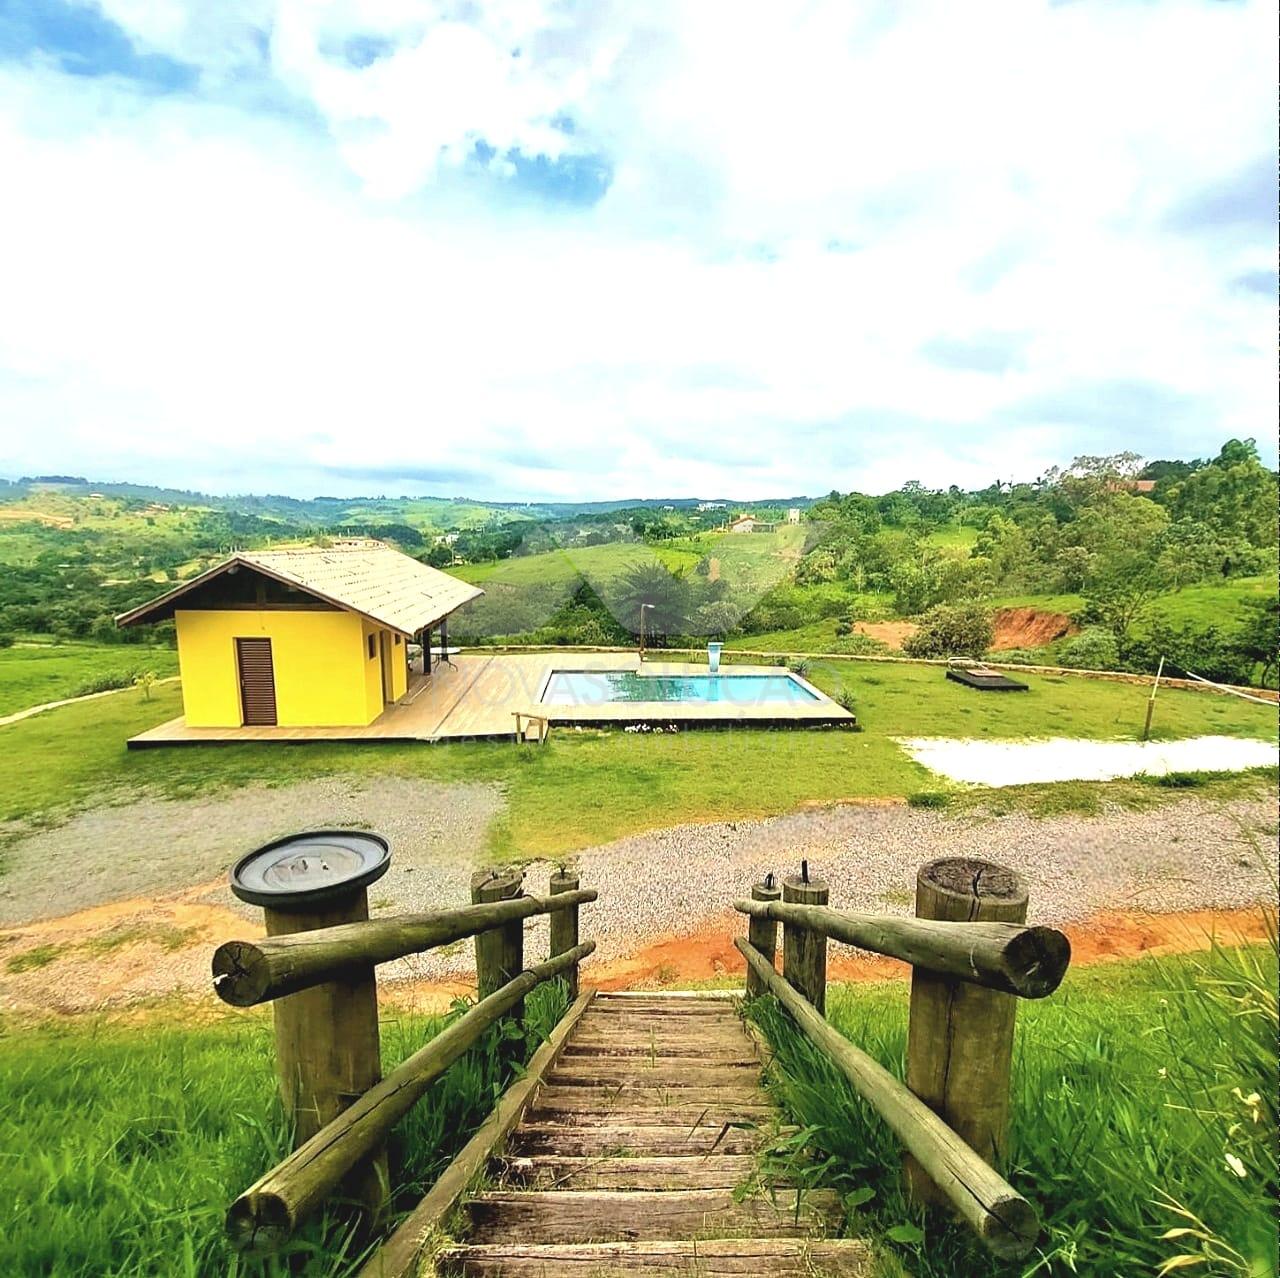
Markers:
628,1158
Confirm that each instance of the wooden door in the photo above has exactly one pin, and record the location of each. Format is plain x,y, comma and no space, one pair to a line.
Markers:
384,647
257,682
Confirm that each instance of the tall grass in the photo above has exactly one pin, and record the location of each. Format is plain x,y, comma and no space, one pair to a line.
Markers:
1143,1130
123,1147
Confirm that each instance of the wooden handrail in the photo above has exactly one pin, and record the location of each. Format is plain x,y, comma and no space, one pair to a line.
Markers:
269,1211
250,972
1027,961
1000,1216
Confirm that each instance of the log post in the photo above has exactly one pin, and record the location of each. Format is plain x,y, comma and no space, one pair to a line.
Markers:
564,924
327,1049
804,953
762,933
499,951
960,1036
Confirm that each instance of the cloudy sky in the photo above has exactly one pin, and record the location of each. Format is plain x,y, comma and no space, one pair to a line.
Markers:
602,249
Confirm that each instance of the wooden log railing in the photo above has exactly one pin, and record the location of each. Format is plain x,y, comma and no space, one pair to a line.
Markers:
971,958
268,1212
1027,961
310,971
250,972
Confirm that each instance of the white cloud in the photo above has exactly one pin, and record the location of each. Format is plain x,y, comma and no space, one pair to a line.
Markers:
803,200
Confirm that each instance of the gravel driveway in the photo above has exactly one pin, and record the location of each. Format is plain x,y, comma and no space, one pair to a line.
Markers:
156,846
1187,854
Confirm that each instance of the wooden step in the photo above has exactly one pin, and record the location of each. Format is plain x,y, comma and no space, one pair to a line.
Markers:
597,1140
605,1006
665,1071
700,1115
555,1171
707,1050
788,1258
599,1100
580,1216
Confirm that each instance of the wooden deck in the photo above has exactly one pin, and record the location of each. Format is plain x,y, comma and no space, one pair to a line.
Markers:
477,696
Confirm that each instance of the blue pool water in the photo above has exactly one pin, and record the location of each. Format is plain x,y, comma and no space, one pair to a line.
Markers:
596,687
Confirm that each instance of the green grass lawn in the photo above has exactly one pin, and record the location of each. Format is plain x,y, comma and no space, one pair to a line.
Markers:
1133,1086
587,787
125,1144
32,675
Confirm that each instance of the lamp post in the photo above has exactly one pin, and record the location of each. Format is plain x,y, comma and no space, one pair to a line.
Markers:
643,606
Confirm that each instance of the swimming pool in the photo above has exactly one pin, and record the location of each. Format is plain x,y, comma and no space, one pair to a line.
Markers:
598,687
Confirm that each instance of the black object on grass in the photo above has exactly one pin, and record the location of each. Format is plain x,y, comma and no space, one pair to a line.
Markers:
985,680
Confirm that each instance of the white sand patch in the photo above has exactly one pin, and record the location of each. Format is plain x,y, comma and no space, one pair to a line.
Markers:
999,763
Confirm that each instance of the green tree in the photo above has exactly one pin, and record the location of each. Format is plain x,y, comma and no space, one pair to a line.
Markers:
1259,637
952,630
664,596
1234,494
1122,590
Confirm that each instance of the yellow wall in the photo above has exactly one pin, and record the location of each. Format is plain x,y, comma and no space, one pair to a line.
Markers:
324,676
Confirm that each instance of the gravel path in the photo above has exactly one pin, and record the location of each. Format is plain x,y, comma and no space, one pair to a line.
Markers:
1187,854
155,846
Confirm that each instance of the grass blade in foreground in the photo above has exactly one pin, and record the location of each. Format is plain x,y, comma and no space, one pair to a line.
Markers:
1000,1216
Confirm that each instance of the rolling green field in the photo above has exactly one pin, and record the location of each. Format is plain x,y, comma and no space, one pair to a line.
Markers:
588,787
748,561
31,675
565,568
1134,1086
137,1137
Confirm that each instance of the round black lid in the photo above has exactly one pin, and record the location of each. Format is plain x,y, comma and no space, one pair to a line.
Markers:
304,871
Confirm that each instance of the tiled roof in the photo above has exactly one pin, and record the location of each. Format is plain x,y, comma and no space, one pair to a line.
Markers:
367,577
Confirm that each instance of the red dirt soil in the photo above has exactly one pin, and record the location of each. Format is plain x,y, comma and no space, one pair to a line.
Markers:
1014,628
136,971
1103,938
1028,628
893,633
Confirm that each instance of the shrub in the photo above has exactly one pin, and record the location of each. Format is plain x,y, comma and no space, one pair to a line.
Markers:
1180,780
928,799
6,639
1022,657
952,630
108,683
1092,649
798,665
860,645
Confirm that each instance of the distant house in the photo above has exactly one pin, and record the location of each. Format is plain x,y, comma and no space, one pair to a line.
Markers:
793,515
304,637
1131,485
750,524
704,506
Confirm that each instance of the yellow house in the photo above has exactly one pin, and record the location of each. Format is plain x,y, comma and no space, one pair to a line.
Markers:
305,637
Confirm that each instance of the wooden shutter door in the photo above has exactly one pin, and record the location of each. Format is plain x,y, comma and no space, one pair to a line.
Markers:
257,681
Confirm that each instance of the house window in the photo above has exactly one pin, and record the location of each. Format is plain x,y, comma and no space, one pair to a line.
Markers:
397,641
373,647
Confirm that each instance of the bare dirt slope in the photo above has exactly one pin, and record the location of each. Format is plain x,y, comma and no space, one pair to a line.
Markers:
1028,628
